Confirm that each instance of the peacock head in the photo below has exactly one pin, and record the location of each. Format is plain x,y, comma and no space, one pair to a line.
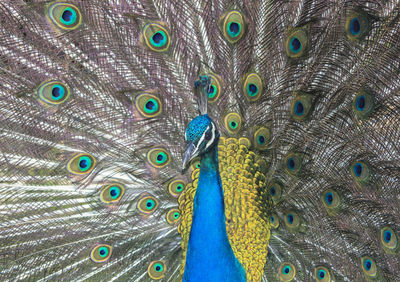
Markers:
201,134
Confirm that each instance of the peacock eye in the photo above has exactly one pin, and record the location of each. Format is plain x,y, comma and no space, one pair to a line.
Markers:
389,240
156,37
158,157
361,172
156,269
363,104
147,204
252,87
275,190
293,162
297,43
233,123
214,91
322,274
287,271
101,253
292,221
261,138
301,106
53,92
65,16
358,25
81,164
173,216
148,105
112,193
233,26
369,267
274,221
176,187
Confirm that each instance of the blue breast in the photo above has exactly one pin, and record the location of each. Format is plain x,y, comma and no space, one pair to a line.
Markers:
209,255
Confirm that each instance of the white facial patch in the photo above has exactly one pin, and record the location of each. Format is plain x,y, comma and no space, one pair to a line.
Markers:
213,135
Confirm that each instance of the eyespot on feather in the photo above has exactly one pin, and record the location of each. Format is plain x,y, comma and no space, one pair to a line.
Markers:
176,187
195,163
261,138
233,26
330,199
274,221
158,157
358,25
101,253
173,216
148,105
369,267
214,92
233,123
147,205
252,87
360,172
275,191
81,164
300,108
322,274
389,240
156,269
292,220
64,15
297,42
286,272
156,37
292,163
53,92
112,193
363,104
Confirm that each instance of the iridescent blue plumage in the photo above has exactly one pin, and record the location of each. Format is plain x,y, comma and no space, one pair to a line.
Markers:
209,255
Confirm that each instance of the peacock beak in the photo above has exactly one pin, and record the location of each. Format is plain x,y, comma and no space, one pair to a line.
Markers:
190,153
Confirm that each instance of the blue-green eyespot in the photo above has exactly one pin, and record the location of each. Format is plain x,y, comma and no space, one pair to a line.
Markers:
101,253
389,240
112,193
286,272
81,164
233,123
233,26
297,42
173,216
64,15
214,92
252,87
369,267
156,37
363,104
301,106
148,204
360,172
156,269
358,25
148,105
293,163
176,187
53,92
158,157
322,274
261,138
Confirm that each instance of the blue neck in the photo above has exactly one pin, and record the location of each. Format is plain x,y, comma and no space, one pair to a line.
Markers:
209,255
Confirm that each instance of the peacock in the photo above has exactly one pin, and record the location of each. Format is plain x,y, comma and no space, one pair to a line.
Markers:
199,140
